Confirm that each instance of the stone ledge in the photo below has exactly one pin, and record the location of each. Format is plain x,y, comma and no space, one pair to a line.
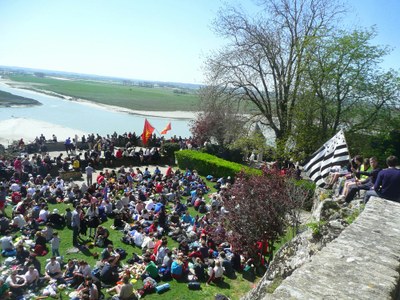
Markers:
362,263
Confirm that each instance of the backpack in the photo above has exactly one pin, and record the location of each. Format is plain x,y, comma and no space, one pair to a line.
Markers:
122,253
194,285
149,284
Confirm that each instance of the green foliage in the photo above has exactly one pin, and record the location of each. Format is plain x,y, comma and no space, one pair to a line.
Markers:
316,227
255,141
207,164
274,285
353,216
345,87
380,145
168,149
309,188
234,155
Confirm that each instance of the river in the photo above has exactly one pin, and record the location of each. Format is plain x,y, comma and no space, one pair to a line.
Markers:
67,118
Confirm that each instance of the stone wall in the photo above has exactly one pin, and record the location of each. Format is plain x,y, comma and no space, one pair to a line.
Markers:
362,263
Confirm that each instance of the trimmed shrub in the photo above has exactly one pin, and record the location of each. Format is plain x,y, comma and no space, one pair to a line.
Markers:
168,150
234,155
207,164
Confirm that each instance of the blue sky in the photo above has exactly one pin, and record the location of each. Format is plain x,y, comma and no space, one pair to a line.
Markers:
164,40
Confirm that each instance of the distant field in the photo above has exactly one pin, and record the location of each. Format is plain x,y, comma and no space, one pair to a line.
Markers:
132,97
7,99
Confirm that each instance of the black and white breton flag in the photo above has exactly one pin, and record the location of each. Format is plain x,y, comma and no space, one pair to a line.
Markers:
333,152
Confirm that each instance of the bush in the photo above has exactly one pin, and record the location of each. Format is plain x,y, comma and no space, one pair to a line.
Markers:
207,164
309,188
168,150
234,155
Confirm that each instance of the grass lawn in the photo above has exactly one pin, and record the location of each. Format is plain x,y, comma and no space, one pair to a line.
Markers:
131,97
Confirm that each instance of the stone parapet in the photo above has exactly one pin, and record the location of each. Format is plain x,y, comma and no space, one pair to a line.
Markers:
362,263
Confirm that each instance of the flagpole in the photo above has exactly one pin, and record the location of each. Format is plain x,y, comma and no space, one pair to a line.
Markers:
158,132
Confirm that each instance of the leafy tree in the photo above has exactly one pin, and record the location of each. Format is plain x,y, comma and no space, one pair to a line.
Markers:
257,208
346,88
263,62
255,140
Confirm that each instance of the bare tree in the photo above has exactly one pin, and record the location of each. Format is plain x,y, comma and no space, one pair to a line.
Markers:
265,57
220,120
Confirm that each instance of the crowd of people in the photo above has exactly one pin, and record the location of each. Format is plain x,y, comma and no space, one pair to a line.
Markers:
147,205
366,175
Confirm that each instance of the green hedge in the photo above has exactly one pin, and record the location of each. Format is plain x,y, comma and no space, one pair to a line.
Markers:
207,164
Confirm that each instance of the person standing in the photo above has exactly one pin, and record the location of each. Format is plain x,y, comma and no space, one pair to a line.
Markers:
55,244
89,174
76,224
387,185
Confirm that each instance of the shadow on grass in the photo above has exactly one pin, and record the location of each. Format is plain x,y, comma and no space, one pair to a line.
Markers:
223,285
83,248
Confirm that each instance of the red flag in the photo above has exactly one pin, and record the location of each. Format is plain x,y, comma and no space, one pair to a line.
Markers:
166,129
147,131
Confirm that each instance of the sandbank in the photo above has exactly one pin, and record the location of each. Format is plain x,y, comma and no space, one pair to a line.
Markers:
28,129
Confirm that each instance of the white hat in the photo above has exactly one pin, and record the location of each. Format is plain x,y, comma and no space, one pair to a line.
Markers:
55,211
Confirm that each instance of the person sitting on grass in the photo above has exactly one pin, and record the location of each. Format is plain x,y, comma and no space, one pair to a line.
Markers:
151,269
215,273
108,255
81,272
69,272
177,267
32,277
101,236
125,291
17,284
4,290
198,269
53,269
88,287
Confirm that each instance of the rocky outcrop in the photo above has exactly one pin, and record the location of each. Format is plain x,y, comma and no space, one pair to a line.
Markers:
327,222
363,262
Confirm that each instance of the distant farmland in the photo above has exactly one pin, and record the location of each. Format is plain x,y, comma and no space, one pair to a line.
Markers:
127,96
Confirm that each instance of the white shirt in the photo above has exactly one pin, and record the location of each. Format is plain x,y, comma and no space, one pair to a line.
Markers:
15,187
6,243
150,205
31,190
31,276
53,268
19,221
138,238
219,271
148,243
43,214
